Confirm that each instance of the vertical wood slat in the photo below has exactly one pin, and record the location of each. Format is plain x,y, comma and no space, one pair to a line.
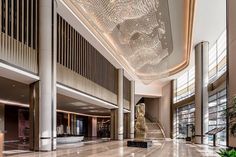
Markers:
11,45
17,33
0,20
13,50
22,35
68,52
6,30
59,39
80,56
62,41
66,44
1,29
27,32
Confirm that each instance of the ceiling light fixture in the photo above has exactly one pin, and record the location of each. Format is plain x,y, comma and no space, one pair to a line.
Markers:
13,103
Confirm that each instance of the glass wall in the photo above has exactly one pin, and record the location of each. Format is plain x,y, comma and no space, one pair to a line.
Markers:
217,106
184,86
185,116
217,58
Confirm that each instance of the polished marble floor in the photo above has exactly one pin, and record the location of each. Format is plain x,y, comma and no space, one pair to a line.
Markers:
119,149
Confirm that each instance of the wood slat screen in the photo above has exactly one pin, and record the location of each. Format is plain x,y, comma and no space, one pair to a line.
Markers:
78,55
18,33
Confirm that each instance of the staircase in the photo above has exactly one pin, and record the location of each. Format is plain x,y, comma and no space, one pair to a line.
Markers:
154,131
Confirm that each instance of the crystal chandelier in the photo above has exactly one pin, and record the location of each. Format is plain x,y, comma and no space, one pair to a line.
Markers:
138,28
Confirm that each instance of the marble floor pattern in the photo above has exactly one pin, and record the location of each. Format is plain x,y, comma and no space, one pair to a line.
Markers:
119,149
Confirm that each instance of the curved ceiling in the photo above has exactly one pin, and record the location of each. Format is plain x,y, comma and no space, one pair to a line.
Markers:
153,37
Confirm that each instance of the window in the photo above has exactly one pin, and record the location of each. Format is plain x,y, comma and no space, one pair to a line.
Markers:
184,86
185,116
217,58
217,106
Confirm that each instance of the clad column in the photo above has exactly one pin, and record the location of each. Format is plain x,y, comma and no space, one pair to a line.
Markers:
132,109
120,104
231,56
201,92
43,93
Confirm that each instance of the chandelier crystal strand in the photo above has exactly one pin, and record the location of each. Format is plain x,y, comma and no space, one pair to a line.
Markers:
136,28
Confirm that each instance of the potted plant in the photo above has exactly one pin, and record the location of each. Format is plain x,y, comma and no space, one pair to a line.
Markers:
231,116
227,153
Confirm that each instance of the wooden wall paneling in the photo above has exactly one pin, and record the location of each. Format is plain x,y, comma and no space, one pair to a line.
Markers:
82,45
18,33
70,53
6,30
72,50
86,59
78,48
69,47
32,62
22,31
79,53
11,48
1,29
36,24
67,44
81,57
76,52
0,21
27,32
58,38
63,42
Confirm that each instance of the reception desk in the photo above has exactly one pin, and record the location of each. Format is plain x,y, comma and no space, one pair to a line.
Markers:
69,139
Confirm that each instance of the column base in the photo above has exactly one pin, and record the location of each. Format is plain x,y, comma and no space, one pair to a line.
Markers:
131,135
120,137
45,144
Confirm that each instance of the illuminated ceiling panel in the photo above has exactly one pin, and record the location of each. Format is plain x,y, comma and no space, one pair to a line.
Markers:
138,31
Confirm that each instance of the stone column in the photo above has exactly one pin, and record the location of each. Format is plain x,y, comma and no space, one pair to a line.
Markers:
94,127
43,93
132,109
126,132
231,56
120,104
114,124
201,92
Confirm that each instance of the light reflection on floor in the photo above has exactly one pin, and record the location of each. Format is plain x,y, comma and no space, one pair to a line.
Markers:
119,149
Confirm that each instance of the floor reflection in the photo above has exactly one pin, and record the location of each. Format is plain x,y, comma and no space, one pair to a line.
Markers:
119,149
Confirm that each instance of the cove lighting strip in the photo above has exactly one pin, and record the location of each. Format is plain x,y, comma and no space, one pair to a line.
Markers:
13,103
85,95
8,67
83,114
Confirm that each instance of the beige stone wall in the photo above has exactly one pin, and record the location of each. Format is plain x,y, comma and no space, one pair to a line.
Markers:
165,110
126,104
152,108
231,4
78,82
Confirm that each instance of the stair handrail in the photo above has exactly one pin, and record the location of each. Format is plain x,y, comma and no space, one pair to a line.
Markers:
154,120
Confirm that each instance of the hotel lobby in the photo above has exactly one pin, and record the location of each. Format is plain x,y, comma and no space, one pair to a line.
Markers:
93,78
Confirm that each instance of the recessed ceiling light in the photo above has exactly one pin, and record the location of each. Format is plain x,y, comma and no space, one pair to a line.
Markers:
87,107
13,85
